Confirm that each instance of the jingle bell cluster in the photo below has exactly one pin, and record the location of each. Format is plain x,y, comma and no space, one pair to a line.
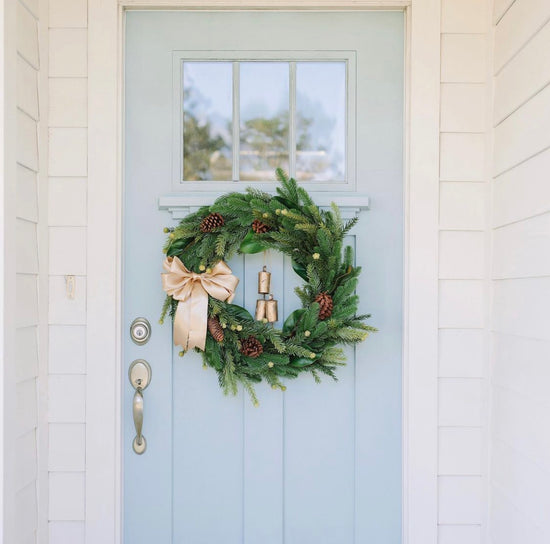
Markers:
266,309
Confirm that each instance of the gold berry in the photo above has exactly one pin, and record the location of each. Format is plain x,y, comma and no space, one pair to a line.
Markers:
202,268
256,404
284,212
239,328
166,230
283,387
307,333
274,386
209,271
181,353
316,256
224,325
278,211
312,355
271,364
265,215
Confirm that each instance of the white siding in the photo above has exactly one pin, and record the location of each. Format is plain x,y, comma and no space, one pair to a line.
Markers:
463,271
520,377
31,269
68,119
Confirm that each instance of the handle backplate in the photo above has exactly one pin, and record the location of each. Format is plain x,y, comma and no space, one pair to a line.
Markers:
140,374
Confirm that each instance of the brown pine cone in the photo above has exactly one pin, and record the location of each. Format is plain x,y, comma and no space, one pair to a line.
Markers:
215,328
325,305
251,347
260,228
211,222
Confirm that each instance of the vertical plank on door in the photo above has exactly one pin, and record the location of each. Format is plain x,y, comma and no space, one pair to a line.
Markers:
263,428
319,470
208,470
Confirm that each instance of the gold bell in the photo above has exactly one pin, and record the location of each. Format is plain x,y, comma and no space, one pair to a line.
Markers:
261,309
271,310
264,281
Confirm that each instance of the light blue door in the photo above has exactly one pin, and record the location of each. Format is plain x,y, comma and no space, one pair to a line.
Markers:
317,464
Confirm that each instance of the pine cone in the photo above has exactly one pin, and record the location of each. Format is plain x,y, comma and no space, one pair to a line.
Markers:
211,222
260,228
251,347
215,328
325,305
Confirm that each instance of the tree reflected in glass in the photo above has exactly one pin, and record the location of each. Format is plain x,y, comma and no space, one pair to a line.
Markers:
264,112
207,113
264,128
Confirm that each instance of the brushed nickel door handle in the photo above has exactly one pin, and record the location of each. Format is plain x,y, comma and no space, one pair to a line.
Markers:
140,444
140,377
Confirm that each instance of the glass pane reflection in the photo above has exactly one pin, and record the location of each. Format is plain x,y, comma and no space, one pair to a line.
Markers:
264,110
207,121
320,121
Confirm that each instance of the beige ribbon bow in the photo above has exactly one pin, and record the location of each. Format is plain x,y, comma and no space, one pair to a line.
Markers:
192,290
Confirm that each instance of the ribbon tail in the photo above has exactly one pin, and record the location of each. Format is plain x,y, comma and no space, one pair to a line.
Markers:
190,321
181,322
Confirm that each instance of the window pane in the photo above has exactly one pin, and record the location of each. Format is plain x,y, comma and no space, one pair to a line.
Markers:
320,121
264,95
207,121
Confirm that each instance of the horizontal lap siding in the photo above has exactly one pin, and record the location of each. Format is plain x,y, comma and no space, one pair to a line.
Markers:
520,441
30,300
68,166
462,271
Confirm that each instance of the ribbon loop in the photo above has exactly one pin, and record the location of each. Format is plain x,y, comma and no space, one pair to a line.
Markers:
191,290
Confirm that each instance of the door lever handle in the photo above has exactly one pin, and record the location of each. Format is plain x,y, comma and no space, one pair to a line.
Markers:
140,377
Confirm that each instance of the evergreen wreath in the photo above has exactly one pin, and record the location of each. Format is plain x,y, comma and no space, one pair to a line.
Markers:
242,350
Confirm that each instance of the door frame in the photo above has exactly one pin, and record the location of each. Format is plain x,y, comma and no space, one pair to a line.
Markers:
104,491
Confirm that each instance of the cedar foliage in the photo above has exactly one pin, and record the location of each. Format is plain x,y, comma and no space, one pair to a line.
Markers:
314,239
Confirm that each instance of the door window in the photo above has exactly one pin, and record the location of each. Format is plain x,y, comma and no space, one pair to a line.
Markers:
238,119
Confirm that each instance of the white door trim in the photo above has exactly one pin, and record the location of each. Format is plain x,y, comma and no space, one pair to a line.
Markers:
103,392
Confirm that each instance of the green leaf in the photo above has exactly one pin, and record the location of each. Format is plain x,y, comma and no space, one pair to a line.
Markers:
292,320
300,362
177,246
300,270
250,244
240,313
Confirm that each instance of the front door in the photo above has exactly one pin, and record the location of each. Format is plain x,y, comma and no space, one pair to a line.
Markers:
214,101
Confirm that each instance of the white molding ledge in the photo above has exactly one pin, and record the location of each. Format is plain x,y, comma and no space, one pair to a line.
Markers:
181,204
317,5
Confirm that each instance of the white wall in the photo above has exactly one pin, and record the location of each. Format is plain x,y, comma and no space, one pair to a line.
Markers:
520,384
67,230
30,211
462,271
31,270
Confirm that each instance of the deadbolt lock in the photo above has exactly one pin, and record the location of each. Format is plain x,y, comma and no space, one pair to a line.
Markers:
140,331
